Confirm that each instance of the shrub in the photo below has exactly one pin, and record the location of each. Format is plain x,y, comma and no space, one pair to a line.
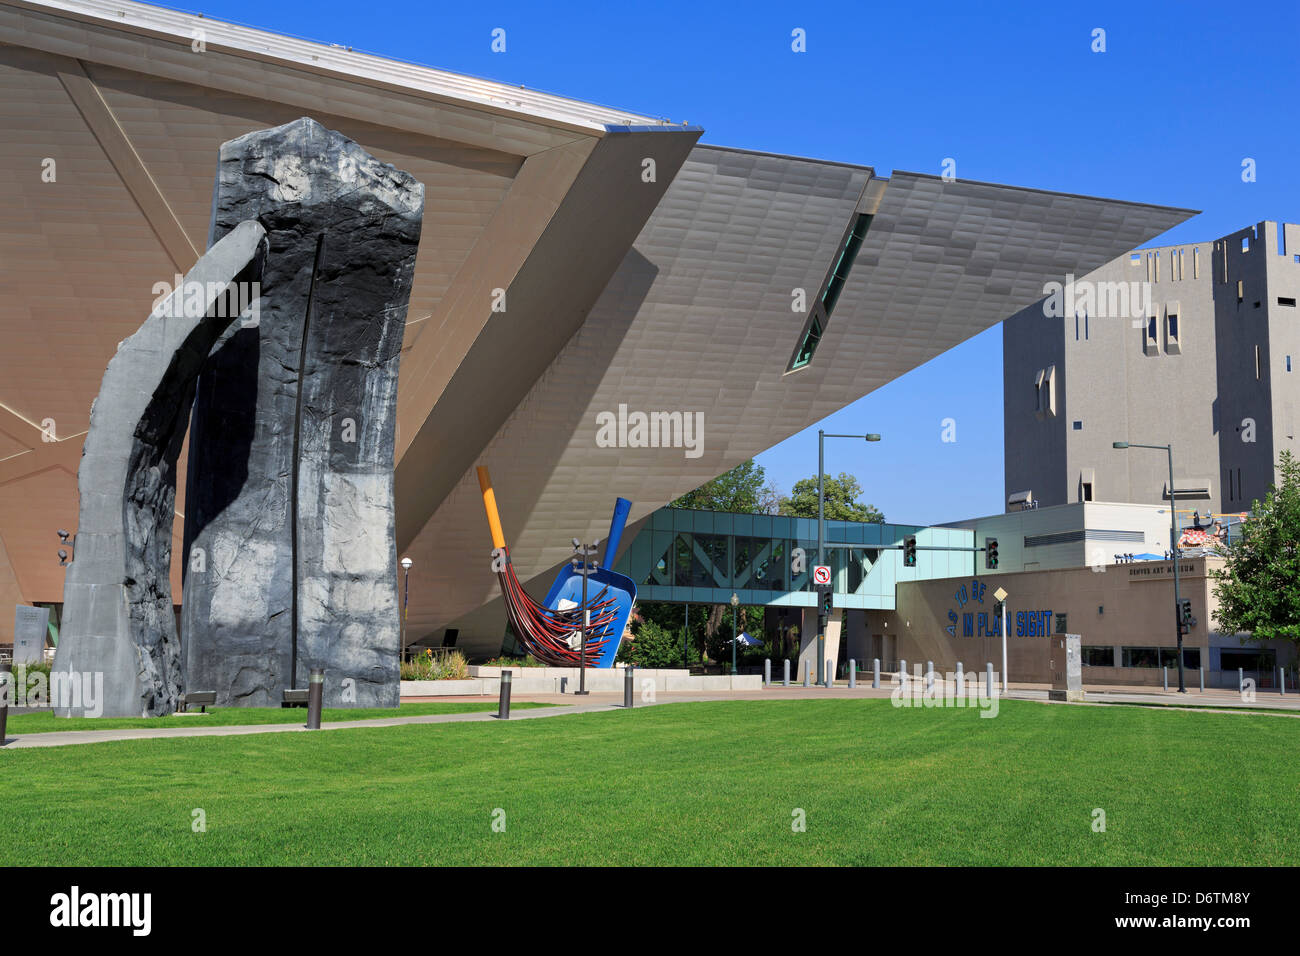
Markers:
515,662
429,666
653,646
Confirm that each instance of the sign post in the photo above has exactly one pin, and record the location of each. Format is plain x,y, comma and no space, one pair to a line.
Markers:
1000,595
822,580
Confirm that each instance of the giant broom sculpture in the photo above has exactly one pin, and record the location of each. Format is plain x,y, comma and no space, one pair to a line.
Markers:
551,631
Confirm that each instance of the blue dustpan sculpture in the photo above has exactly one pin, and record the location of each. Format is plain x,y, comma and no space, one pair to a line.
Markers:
604,585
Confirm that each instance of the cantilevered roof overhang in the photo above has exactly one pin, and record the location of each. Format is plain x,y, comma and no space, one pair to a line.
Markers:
698,318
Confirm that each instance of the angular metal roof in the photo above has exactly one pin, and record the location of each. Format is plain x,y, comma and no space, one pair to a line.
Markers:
698,319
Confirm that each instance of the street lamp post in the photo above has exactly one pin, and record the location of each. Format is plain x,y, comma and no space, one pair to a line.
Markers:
584,565
735,636
821,540
406,598
1173,542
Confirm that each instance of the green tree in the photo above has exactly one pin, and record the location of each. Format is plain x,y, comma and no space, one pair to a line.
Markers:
1258,587
840,500
743,490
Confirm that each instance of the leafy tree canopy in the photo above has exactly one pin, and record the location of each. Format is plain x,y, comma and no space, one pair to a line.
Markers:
840,500
1259,586
743,490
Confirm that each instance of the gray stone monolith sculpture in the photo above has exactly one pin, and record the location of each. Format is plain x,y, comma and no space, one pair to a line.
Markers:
290,548
118,654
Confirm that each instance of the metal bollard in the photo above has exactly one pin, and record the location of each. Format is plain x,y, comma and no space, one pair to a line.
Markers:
929,674
1201,671
785,682
960,690
767,672
830,673
315,695
875,672
1165,672
902,672
853,673
1241,678
1281,682
988,680
807,673
627,686
503,708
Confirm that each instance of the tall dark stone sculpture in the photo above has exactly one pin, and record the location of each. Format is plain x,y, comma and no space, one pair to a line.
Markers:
289,533
118,655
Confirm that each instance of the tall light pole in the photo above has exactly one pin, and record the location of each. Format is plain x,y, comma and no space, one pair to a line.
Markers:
821,541
735,636
1173,542
583,564
406,599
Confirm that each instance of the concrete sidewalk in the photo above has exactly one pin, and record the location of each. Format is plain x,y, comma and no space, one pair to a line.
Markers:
1288,705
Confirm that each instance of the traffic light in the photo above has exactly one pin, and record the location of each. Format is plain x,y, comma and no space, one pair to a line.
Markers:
991,553
909,551
1185,612
828,601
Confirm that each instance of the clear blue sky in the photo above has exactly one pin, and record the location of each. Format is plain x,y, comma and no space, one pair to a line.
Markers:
1184,92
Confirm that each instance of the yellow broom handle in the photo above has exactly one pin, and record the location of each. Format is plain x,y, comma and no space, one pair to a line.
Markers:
490,506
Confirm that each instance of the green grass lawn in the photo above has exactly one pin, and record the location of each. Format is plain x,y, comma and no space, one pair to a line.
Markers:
45,721
703,783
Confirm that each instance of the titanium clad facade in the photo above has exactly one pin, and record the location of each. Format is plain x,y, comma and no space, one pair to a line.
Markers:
699,320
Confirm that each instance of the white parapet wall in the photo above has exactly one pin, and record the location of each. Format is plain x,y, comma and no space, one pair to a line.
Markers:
485,681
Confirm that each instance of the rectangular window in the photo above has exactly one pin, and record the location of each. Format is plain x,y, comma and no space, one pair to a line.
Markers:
1241,291
1257,364
1196,262
1140,657
1086,494
1288,368
1098,656
1289,302
1078,427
